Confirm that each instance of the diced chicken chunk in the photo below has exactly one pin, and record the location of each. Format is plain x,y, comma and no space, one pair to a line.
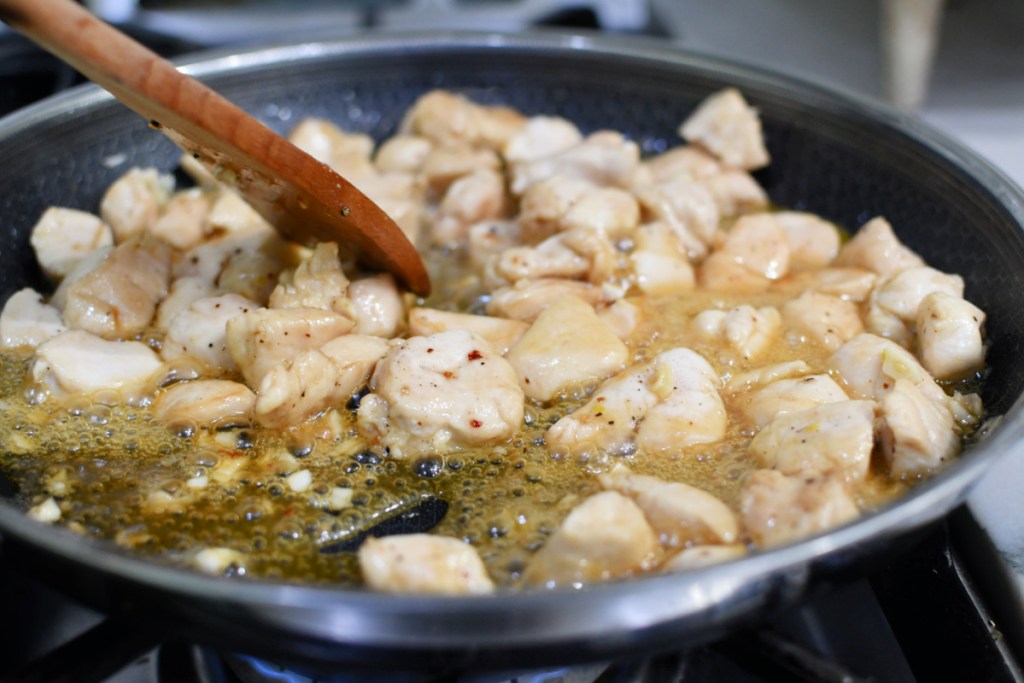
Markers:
527,298
622,317
680,514
27,321
567,346
686,207
402,153
447,119
347,153
182,223
826,320
875,247
264,338
377,304
831,438
777,509
500,333
315,380
446,164
421,563
541,136
441,392
788,396
232,215
199,331
700,556
133,202
948,336
213,403
603,158
184,292
118,297
765,375
870,365
736,192
545,203
848,284
77,362
893,305
813,241
729,128
660,261
471,199
744,329
919,433
755,252
604,537
62,237
317,282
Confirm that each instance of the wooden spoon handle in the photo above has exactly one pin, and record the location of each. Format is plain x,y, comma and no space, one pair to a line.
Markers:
302,197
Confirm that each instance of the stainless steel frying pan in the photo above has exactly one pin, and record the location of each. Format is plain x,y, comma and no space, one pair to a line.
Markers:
832,154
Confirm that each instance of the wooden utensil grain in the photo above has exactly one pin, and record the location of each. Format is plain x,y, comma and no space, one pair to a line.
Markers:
302,197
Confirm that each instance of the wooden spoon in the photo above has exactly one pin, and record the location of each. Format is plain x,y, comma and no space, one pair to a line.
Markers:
302,197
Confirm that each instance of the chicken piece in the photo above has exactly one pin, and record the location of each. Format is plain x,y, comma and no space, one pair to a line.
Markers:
444,165
813,241
421,563
118,297
552,258
567,346
823,319
604,537
61,238
790,396
744,329
263,338
686,207
441,392
253,274
378,306
848,284
777,509
311,382
488,239
622,318
541,136
660,261
214,403
681,515
609,211
182,223
700,556
720,272
689,409
199,332
686,161
183,293
875,247
765,375
232,215
604,158
918,433
402,154
729,128
27,321
450,119
473,198
500,333
545,203
755,253
948,336
131,205
347,153
77,362
892,308
317,282
834,438
870,365
527,298
736,192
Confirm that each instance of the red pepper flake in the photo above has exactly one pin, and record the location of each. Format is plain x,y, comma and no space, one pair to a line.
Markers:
448,374
475,355
476,424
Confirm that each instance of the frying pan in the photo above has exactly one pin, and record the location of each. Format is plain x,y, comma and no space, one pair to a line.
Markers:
832,154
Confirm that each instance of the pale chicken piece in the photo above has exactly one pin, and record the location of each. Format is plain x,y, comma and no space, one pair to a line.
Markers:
777,509
263,338
488,239
182,223
27,321
609,211
527,298
918,433
604,158
834,438
378,306
446,164
729,128
317,282
544,204
402,153
826,320
422,563
567,346
681,515
541,136
685,206
131,205
118,297
500,333
736,192
231,214
448,119
207,259
77,362
199,331
313,381
744,329
948,336
689,409
253,274
660,262
700,556
622,317
765,375
442,392
870,365
755,253
849,284
685,161
813,241
347,153
400,196
552,258
183,293
720,272
892,308
604,537
789,396
471,199
216,403
875,247
61,238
